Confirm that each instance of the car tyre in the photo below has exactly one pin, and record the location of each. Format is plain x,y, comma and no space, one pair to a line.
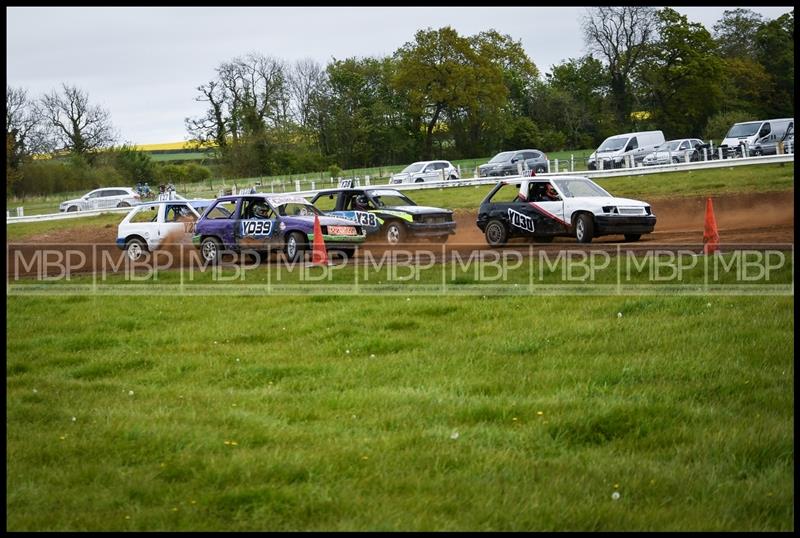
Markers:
123,204
294,247
584,228
419,180
135,249
632,238
453,177
72,209
210,249
676,160
496,233
395,233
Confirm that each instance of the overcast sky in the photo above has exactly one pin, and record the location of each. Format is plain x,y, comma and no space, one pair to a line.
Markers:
144,64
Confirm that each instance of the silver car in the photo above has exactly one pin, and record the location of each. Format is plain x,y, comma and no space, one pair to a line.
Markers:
674,151
425,171
102,199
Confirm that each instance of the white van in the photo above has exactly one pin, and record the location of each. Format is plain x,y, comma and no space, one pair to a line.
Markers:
614,151
750,133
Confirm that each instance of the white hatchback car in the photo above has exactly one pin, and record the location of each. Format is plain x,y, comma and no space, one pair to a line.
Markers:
102,199
147,225
425,171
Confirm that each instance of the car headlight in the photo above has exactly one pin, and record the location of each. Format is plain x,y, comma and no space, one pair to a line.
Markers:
648,210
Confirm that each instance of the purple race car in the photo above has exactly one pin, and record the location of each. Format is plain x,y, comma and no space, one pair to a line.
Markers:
265,222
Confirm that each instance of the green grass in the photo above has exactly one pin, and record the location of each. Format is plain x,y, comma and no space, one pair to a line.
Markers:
684,405
24,230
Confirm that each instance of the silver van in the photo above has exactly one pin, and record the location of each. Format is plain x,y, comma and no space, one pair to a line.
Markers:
617,150
744,136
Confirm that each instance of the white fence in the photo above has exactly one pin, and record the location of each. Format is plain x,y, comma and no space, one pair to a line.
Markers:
357,182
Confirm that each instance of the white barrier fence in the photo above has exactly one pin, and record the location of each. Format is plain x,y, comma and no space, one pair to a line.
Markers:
357,182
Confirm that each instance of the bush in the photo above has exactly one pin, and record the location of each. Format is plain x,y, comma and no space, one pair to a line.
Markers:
334,170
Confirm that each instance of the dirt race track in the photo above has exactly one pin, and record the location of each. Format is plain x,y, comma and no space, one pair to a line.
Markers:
743,221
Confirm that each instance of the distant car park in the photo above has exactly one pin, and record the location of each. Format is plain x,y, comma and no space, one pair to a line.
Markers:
506,163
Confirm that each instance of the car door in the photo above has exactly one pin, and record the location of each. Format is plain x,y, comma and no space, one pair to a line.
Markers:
430,173
345,208
92,200
254,231
176,222
220,222
549,214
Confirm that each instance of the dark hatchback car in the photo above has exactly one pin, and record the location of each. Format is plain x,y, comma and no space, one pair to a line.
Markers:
387,214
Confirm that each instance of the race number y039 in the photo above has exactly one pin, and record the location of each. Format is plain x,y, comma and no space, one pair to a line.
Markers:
256,227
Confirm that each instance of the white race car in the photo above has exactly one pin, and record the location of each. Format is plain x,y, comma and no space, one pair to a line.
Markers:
570,206
147,225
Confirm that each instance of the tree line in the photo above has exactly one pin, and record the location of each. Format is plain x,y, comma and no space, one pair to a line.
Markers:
445,95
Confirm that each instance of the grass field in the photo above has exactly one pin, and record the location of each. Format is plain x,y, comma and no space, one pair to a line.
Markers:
438,413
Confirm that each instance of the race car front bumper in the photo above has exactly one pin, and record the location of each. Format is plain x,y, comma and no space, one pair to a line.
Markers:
606,225
423,229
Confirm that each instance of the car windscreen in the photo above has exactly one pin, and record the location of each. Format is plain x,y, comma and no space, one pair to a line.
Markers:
389,200
579,187
295,209
416,167
743,129
613,144
502,157
672,145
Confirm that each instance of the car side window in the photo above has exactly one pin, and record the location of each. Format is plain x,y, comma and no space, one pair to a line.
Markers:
95,194
632,144
145,214
684,145
326,202
517,157
222,210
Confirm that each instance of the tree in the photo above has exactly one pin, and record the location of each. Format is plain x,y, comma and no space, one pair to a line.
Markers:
735,33
682,75
23,126
75,125
440,73
775,51
620,36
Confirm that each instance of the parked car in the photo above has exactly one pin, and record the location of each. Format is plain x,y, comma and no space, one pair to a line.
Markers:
572,206
387,213
505,163
769,146
147,225
423,171
616,150
675,151
266,222
744,136
102,199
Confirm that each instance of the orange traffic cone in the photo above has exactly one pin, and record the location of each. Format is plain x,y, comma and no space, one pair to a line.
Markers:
319,255
710,234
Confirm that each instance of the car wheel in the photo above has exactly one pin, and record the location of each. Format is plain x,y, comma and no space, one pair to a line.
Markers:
72,209
395,233
123,204
135,249
541,169
453,177
676,160
295,244
630,238
584,228
544,239
496,233
419,180
210,250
